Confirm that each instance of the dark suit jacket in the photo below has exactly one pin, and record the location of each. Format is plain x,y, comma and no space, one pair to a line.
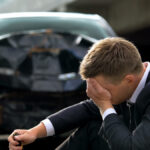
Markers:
127,130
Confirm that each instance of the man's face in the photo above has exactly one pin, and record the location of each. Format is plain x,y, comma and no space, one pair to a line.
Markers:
120,92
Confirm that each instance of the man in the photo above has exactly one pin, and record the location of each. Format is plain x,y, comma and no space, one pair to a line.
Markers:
118,83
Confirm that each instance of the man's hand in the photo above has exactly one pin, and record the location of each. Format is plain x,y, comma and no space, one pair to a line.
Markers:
26,136
100,96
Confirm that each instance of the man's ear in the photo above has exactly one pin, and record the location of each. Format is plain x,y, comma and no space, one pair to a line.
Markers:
130,78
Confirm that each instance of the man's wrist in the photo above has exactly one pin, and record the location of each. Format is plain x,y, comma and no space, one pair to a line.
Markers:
104,107
38,131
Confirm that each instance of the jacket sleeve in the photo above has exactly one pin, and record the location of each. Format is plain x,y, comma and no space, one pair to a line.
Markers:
74,116
119,137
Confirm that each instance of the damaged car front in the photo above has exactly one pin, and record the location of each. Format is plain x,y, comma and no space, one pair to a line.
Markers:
40,54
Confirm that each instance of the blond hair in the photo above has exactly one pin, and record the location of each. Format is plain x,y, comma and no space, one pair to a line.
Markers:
111,57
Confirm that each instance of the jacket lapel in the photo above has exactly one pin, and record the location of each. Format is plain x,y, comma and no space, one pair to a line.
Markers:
143,100
148,78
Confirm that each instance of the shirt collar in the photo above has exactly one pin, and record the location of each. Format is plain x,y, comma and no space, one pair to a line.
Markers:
140,85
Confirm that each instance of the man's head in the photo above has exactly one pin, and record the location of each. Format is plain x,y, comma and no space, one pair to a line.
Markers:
114,59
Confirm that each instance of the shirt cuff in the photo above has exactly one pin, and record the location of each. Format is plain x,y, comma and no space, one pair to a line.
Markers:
49,127
108,112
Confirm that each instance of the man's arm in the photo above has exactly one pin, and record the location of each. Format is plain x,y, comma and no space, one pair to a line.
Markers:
118,135
62,121
74,116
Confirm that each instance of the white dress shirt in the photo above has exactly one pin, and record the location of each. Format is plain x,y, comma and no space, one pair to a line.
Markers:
50,128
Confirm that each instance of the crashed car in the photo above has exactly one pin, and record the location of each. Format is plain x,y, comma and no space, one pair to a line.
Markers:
40,54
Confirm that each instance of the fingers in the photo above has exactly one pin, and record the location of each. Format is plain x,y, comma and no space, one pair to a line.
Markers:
96,86
13,140
20,131
12,147
93,88
97,92
20,136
